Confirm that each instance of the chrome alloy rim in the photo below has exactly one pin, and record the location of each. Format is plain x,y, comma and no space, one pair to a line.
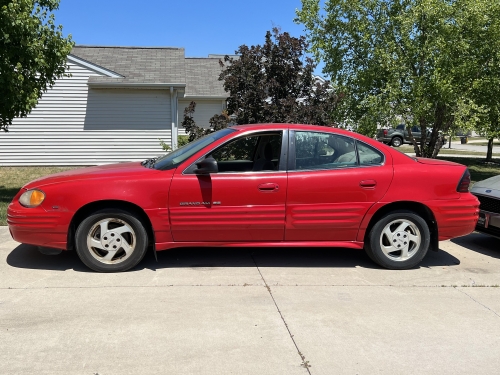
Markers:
400,240
111,241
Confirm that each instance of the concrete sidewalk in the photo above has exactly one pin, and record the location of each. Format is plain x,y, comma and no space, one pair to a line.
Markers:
252,311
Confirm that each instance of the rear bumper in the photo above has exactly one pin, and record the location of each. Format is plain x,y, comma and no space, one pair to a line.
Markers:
36,226
455,218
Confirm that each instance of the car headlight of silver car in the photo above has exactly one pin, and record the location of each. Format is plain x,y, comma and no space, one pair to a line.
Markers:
32,198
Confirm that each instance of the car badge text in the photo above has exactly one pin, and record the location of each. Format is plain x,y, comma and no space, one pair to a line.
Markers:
199,203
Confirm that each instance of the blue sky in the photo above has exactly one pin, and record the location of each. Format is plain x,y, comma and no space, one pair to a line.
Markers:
200,26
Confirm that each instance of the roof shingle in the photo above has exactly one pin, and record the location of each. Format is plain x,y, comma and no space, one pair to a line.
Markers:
202,77
155,65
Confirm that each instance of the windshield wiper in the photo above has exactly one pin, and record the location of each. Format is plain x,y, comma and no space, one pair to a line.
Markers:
149,163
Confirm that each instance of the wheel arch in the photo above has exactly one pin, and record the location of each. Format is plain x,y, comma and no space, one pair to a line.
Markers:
91,207
416,207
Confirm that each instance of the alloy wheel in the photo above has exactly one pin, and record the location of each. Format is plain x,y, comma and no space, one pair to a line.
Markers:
400,240
111,241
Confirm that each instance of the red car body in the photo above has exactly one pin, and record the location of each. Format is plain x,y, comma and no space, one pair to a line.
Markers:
285,207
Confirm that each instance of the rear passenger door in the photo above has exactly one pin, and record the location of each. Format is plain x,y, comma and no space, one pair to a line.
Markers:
332,182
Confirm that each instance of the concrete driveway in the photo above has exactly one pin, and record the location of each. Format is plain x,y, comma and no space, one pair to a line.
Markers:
252,311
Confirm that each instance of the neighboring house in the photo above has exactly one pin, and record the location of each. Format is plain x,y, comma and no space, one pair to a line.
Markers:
115,106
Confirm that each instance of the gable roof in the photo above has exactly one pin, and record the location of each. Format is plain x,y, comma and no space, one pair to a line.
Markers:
160,67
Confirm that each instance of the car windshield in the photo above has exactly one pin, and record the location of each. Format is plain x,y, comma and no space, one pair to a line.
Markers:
176,157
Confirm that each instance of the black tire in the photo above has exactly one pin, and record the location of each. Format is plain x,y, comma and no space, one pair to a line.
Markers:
121,247
395,232
396,141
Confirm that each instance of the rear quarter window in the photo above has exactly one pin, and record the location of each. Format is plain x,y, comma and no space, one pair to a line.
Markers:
369,155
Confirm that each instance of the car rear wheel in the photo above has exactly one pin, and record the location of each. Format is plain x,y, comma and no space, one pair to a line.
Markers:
400,240
396,141
111,240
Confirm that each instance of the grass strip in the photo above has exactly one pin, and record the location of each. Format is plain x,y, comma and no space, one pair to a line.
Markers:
13,178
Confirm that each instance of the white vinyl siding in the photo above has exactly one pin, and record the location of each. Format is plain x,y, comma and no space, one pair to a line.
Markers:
205,110
75,125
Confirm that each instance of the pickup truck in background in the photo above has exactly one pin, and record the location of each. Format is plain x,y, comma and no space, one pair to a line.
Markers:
399,135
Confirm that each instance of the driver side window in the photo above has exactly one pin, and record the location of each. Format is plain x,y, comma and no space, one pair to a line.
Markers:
257,152
240,149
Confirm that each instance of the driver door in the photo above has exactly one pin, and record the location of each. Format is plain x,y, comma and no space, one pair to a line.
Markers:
244,201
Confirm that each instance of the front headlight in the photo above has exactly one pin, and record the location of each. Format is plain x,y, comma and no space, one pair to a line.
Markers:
32,198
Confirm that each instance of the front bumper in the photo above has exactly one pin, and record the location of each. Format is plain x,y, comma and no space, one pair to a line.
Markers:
36,226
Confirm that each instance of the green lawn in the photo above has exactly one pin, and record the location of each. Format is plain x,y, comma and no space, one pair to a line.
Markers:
13,178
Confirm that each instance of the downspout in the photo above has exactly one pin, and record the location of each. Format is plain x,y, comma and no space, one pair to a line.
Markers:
173,111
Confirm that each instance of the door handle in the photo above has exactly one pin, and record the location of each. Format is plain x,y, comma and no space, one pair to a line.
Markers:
269,186
368,184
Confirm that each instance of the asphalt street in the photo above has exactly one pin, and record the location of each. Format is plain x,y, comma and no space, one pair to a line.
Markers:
252,311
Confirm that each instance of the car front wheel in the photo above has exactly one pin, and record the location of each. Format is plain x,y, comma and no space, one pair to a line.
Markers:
111,240
399,240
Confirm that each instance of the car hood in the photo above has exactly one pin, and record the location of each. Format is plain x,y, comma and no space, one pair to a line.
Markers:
114,171
490,187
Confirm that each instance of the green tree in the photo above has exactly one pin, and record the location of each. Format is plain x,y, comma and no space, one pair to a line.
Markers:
189,124
480,50
274,82
395,59
33,55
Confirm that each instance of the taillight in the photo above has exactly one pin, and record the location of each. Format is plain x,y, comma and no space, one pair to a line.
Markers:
385,131
463,185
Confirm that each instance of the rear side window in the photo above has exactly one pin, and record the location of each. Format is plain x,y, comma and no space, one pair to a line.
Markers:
315,150
369,155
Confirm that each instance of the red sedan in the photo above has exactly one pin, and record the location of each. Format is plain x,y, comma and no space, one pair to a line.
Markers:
253,185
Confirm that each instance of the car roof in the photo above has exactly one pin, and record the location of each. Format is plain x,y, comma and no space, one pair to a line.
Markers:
275,126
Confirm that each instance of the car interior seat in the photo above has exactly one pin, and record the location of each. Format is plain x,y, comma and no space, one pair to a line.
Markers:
265,162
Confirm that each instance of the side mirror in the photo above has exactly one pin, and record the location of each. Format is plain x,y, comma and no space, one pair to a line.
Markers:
207,166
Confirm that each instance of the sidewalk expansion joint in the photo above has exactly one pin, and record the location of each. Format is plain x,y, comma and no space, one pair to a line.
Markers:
479,303
304,363
245,285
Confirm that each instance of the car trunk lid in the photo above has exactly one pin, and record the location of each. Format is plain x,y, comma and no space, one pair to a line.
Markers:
437,162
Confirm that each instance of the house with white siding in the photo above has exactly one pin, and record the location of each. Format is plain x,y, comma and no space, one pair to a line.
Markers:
115,106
